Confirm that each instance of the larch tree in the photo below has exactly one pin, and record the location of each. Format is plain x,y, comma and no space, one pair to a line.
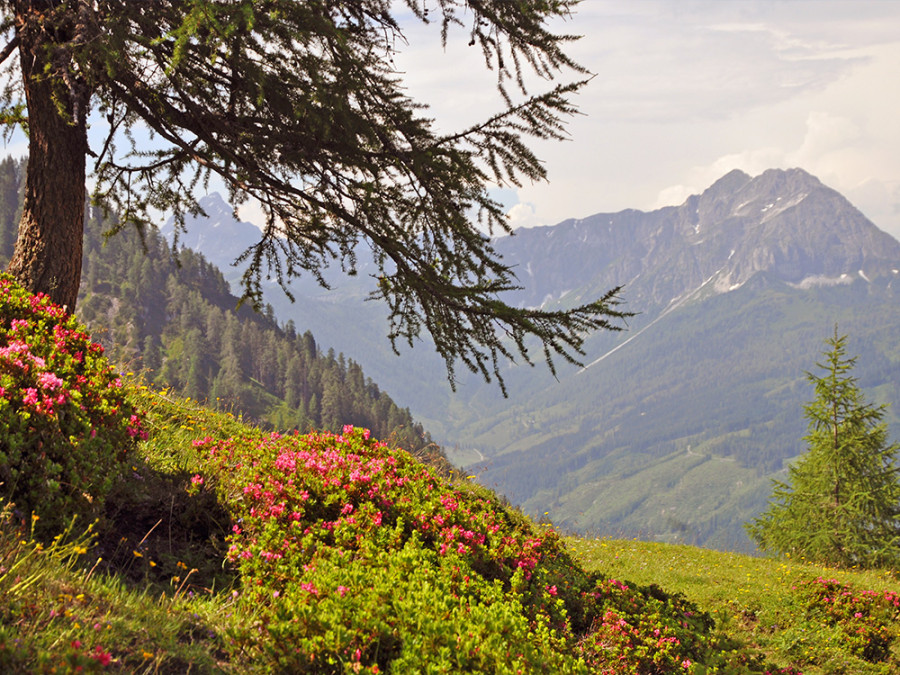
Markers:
298,106
841,504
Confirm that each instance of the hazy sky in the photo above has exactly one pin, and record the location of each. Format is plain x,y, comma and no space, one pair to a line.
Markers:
686,91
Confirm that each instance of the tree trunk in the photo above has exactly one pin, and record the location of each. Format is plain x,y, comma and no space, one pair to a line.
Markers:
48,251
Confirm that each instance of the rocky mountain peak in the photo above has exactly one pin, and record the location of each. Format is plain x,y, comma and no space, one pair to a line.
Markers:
218,234
727,186
783,223
217,210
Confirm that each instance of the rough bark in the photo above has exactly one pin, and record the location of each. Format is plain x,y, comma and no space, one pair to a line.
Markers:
47,256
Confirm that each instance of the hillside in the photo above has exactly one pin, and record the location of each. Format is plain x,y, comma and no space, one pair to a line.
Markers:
174,319
223,548
675,428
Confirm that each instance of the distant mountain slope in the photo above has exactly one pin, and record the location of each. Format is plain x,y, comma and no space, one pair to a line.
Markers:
675,427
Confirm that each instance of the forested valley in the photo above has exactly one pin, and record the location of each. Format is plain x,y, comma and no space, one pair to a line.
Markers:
171,317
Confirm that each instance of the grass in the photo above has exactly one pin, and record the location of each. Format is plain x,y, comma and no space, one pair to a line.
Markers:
754,600
59,615
142,590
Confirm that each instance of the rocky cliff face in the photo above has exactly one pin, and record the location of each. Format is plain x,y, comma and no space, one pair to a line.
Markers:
783,223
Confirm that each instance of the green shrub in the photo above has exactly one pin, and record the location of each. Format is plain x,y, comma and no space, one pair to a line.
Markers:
356,558
65,426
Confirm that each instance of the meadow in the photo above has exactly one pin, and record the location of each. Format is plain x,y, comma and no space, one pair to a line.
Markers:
215,546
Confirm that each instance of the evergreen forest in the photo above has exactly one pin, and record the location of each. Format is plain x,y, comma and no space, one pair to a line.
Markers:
171,317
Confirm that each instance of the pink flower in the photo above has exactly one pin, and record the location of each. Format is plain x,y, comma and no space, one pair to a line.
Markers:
30,397
101,656
310,588
552,590
49,381
342,591
197,479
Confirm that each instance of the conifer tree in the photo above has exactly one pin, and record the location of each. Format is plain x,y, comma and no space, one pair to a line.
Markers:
841,504
298,106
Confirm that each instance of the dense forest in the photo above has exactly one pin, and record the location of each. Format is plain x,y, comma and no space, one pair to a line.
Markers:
171,317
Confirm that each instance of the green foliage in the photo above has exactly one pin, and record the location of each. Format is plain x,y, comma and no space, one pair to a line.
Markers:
865,620
650,630
354,557
65,425
842,503
299,106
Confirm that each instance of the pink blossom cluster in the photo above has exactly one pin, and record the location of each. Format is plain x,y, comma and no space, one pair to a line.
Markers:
863,616
643,635
328,488
63,409
99,654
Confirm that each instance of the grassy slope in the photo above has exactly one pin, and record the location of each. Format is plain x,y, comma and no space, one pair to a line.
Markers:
158,599
753,599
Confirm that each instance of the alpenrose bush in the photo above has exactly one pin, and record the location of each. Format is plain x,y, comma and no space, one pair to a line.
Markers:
867,619
65,425
356,558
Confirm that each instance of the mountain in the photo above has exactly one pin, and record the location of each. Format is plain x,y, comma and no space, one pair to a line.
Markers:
786,224
674,428
222,237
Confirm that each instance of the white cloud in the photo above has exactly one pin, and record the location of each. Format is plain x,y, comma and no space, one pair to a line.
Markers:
825,134
523,215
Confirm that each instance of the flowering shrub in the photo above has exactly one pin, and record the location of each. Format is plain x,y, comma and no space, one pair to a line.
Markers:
355,554
356,558
649,633
867,619
64,421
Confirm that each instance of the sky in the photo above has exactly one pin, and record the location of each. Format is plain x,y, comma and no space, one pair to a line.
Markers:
685,91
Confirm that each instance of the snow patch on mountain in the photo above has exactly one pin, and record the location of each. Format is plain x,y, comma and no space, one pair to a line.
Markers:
822,280
776,209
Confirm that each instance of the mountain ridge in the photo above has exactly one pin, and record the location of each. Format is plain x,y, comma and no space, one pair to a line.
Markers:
737,227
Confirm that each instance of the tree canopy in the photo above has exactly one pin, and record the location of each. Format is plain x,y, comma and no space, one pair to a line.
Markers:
297,105
841,505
